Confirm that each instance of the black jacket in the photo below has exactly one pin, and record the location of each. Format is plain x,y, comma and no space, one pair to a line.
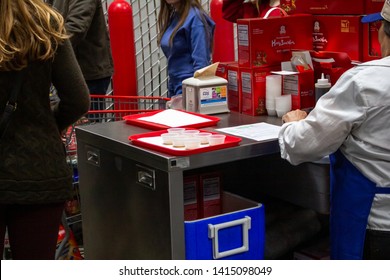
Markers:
86,23
33,167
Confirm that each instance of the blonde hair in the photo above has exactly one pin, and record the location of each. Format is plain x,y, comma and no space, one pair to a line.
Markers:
30,30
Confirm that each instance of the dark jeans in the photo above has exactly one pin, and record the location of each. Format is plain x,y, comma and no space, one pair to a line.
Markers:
99,87
32,230
377,245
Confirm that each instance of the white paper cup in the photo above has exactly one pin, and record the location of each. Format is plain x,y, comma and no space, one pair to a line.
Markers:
273,85
283,103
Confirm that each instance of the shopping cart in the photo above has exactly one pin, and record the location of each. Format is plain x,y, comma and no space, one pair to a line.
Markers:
104,108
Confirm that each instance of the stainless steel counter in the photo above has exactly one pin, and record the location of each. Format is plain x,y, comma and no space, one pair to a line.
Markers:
132,198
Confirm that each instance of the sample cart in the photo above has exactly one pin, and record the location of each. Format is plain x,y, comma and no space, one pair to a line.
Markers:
132,197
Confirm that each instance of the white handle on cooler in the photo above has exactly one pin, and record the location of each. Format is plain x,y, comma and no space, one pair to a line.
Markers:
213,234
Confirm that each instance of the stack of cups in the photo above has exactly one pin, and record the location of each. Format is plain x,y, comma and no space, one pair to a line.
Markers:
282,104
273,89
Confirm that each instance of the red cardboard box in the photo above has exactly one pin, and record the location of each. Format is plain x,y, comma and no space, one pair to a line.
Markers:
301,88
253,89
338,34
268,42
329,7
331,64
222,69
371,46
211,193
373,6
191,198
234,84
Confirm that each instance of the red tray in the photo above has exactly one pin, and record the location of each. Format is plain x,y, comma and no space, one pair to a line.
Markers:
230,141
134,120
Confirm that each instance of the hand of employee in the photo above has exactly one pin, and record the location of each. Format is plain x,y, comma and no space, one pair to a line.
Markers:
292,116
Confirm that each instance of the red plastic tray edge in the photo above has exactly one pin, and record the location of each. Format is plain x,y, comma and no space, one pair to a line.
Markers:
134,120
230,141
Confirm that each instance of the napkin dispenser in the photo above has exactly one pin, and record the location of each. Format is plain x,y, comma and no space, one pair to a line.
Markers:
205,95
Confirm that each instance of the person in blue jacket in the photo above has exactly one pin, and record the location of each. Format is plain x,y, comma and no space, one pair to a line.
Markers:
351,124
186,39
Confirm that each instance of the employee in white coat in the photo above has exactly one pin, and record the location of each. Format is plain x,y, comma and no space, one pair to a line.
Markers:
351,124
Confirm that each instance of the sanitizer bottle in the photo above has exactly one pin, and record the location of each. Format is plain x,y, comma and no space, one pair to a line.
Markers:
321,87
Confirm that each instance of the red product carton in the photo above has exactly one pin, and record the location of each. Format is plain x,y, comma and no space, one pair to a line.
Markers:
301,88
371,45
328,7
331,64
222,69
268,42
373,6
191,198
234,84
253,89
211,189
298,80
338,34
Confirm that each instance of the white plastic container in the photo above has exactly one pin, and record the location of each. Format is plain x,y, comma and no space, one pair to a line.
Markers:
205,95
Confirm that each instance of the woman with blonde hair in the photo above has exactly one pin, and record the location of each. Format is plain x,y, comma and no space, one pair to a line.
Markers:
186,38
35,179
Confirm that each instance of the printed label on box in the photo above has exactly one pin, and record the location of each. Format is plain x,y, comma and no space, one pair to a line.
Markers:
191,198
213,95
210,184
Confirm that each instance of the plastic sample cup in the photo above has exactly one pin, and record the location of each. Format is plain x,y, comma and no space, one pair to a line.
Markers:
167,138
178,141
203,137
176,130
191,143
190,133
216,139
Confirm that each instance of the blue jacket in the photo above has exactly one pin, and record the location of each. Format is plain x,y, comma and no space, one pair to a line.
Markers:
190,50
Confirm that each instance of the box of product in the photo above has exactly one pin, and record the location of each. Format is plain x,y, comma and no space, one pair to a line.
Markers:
301,88
371,45
338,34
237,233
222,69
191,194
234,84
298,80
328,7
268,42
210,193
373,6
331,64
253,89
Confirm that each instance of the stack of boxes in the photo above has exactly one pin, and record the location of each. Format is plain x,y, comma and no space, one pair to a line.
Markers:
326,28
202,195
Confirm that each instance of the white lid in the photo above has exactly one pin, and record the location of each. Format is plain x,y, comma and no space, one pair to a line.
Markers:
205,81
322,82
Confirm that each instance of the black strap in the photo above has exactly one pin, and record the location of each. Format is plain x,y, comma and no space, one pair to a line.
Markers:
12,104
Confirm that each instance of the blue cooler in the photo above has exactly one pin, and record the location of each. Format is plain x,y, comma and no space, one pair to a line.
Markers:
236,234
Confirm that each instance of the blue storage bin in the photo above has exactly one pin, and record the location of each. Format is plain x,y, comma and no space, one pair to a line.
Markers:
237,234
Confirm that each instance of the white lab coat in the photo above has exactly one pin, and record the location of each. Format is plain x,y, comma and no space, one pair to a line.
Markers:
354,116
